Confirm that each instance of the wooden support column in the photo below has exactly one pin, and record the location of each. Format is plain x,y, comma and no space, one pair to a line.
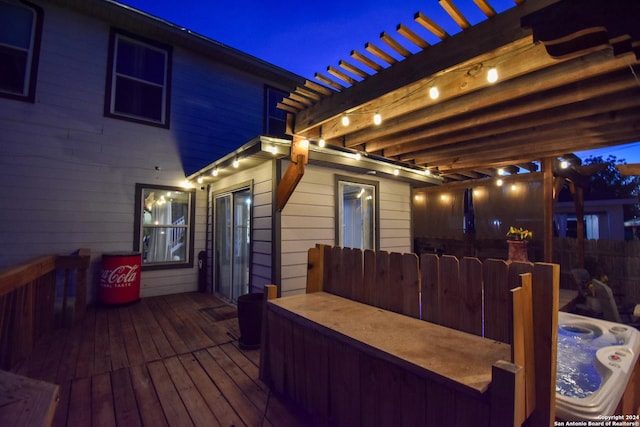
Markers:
294,173
577,193
547,170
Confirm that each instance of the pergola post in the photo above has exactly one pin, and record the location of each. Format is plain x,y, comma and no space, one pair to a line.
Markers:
547,179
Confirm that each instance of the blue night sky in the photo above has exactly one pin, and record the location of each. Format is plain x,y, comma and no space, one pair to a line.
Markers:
305,37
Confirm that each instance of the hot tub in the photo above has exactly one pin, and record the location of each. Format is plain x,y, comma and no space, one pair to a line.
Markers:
595,361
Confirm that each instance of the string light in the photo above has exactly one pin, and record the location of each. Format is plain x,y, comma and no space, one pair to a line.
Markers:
434,93
304,143
564,164
377,119
200,180
345,120
214,172
236,162
499,183
492,75
358,156
396,172
321,143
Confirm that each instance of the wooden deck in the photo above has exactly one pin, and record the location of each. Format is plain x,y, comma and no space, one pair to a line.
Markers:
171,360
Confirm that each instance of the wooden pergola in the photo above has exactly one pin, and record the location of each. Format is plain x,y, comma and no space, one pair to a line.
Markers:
566,82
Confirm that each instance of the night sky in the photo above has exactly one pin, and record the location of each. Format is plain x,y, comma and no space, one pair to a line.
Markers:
307,36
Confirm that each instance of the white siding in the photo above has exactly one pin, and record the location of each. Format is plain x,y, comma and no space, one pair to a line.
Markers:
308,218
261,228
68,174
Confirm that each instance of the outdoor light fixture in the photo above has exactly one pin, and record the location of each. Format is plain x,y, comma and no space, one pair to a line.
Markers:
345,120
434,93
377,119
492,75
214,172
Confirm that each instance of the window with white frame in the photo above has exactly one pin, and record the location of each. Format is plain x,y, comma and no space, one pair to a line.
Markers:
357,218
164,226
20,30
138,80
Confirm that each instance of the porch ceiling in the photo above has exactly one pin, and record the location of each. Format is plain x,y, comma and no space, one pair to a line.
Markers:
567,82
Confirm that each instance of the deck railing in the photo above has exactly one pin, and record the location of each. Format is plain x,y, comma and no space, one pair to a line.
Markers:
31,306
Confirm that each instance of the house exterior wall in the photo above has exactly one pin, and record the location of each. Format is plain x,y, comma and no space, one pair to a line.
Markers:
309,218
68,173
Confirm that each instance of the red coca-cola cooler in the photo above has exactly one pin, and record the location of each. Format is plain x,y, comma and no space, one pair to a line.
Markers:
120,277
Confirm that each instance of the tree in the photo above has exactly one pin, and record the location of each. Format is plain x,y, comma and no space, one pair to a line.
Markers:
609,183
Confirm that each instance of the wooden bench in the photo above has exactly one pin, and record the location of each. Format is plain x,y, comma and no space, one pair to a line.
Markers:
25,401
356,350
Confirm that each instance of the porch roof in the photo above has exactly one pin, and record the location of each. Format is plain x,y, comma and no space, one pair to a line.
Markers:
263,148
567,83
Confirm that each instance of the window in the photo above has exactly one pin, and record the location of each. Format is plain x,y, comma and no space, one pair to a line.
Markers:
275,118
357,222
20,30
138,80
164,226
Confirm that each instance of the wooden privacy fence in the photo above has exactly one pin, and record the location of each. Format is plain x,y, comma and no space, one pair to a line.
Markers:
349,363
28,301
442,290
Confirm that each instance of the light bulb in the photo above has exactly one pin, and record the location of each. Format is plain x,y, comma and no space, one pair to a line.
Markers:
377,119
358,156
434,93
236,163
304,143
492,75
396,172
345,120
564,164
214,172
200,179
499,183
321,143
427,172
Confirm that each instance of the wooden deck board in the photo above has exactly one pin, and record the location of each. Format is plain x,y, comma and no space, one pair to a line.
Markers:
170,360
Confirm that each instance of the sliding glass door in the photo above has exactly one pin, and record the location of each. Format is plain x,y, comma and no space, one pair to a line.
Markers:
232,213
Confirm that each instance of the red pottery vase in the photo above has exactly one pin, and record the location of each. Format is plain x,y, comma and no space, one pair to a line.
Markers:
518,250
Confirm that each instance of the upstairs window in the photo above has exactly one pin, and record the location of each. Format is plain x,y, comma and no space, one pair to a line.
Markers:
275,118
138,80
20,29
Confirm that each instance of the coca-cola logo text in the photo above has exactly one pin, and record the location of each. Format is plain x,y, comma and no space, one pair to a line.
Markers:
119,277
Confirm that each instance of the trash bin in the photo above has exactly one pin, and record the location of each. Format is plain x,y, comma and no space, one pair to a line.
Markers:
120,277
250,320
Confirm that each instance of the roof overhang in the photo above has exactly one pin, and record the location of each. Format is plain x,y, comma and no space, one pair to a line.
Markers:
265,148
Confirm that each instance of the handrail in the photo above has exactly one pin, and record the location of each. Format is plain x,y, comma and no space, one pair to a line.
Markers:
28,301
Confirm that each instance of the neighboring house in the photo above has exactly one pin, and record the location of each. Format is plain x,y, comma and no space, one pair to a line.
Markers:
341,200
603,218
104,111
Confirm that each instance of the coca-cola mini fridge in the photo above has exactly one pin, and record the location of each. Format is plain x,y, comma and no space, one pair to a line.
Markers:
120,278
